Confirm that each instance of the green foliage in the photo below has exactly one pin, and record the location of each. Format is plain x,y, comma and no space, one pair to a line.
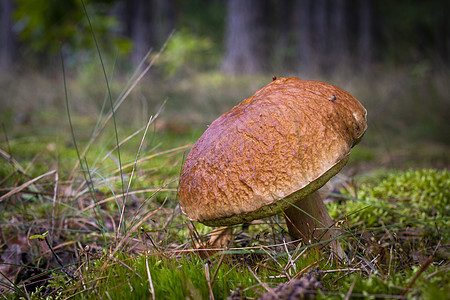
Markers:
415,196
186,52
41,22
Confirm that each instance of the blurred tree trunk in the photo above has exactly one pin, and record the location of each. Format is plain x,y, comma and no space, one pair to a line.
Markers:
325,35
282,29
365,34
149,23
138,20
245,45
8,43
313,35
163,20
320,32
304,44
339,42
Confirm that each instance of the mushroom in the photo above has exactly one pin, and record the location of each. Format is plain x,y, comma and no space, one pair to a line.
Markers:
270,154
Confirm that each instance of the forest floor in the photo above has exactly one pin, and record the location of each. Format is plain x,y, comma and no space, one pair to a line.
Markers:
74,226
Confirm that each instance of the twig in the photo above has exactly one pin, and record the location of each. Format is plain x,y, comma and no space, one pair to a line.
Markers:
4,179
436,272
301,253
150,238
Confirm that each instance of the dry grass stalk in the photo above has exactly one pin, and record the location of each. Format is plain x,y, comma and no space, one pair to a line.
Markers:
25,185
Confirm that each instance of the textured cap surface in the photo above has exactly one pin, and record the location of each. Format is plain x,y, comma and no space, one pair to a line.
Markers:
272,149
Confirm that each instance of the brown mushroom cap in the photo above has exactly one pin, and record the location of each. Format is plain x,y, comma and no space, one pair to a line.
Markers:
272,149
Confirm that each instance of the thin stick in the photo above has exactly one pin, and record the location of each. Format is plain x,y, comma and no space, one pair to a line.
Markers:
300,255
123,264
194,233
263,248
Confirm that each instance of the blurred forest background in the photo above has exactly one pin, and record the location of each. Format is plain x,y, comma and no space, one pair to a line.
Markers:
393,56
192,60
237,36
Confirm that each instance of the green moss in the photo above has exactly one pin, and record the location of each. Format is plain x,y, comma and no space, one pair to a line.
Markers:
431,284
415,196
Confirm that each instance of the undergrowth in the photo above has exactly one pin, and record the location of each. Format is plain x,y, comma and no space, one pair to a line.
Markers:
420,198
107,196
392,253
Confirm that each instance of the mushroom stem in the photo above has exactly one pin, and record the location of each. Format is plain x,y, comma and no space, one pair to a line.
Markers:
316,228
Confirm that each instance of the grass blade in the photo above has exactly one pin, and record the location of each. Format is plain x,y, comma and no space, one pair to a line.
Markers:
110,99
